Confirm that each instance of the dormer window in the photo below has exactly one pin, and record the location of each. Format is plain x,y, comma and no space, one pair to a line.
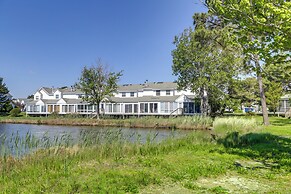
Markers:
168,92
36,97
131,94
57,96
123,94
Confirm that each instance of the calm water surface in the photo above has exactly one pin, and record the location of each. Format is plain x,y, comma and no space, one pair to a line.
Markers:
10,133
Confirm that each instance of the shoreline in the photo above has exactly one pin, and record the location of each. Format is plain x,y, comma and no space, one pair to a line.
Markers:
154,123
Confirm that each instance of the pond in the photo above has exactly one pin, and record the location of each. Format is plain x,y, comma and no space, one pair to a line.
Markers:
19,139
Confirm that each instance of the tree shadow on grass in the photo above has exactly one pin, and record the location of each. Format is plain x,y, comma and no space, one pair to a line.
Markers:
269,149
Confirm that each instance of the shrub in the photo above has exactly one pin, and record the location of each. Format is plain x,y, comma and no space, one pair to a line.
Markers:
54,114
15,112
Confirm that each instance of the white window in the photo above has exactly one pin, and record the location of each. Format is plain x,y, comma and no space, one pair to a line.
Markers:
57,96
123,94
36,97
168,92
131,94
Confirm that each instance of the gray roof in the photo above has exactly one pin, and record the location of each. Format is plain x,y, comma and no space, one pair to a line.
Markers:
50,101
54,101
73,101
144,99
121,88
145,86
66,90
31,102
71,91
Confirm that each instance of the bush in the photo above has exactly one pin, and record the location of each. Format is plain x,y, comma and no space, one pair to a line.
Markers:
15,112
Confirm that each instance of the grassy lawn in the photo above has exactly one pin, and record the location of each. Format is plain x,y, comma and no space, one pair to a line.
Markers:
253,160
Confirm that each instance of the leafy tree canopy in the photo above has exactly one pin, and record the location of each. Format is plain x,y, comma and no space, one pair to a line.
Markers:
97,82
262,28
205,61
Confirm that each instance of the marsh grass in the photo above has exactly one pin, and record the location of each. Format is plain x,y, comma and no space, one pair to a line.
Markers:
183,122
227,125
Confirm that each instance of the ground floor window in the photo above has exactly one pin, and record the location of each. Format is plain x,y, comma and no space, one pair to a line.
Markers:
82,108
168,107
148,107
128,108
108,107
33,108
43,108
64,108
116,108
153,107
90,108
284,106
188,107
191,107
71,109
135,108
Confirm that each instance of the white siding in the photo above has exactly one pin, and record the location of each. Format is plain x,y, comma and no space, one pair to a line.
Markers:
57,94
187,92
45,95
70,96
149,93
37,96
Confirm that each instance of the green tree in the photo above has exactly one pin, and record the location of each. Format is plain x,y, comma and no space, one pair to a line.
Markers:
245,91
274,92
204,61
4,95
15,112
263,30
97,83
30,96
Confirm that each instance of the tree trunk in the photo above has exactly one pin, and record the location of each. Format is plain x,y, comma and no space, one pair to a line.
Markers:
98,111
204,102
262,93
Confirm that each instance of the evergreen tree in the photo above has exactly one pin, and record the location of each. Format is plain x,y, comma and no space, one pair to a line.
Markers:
4,98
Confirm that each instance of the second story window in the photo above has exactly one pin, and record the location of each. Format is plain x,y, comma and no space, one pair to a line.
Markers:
158,92
57,96
123,94
36,97
131,94
168,92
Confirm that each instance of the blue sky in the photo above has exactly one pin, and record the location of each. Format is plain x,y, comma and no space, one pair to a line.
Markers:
48,42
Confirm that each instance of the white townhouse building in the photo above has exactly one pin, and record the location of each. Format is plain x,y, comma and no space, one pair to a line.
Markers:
155,98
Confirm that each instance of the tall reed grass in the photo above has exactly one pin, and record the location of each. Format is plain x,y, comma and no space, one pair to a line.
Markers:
182,122
223,126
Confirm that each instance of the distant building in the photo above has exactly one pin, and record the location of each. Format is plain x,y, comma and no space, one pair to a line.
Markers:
21,103
284,105
156,98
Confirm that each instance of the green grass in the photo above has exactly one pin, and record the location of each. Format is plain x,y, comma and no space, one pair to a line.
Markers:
245,158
